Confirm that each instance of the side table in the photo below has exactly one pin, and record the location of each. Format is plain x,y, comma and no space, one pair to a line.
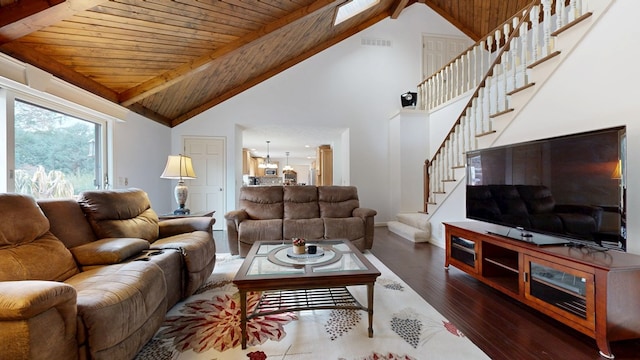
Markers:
194,214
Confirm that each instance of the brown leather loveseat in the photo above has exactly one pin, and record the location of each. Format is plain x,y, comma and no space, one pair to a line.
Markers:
310,212
93,278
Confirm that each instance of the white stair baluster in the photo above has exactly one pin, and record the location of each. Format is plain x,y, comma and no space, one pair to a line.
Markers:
547,40
535,15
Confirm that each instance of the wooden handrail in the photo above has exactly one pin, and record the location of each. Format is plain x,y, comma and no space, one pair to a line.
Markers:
499,27
523,16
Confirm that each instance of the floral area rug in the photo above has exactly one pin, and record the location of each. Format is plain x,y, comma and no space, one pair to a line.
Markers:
207,326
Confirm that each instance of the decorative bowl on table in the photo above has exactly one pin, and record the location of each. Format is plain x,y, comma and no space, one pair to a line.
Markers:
299,245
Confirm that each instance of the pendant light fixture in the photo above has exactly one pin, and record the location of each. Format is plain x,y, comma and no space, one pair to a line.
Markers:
267,164
287,167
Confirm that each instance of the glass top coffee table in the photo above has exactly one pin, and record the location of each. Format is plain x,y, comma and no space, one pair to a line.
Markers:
291,282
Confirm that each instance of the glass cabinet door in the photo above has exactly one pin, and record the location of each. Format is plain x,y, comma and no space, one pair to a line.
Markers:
561,290
463,251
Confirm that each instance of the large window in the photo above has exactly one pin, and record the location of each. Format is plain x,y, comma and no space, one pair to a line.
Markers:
56,155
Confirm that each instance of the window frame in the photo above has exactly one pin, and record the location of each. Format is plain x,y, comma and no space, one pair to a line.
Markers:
11,92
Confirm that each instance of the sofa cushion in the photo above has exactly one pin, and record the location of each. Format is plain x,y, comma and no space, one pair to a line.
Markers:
28,251
21,221
43,259
120,214
199,251
116,302
251,231
337,201
303,228
108,251
301,202
67,221
262,202
343,228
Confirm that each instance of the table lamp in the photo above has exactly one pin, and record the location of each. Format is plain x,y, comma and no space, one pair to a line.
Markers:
179,167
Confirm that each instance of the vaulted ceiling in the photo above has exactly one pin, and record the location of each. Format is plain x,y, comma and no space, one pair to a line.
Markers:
171,60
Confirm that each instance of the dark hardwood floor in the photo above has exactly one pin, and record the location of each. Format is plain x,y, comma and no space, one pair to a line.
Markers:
500,326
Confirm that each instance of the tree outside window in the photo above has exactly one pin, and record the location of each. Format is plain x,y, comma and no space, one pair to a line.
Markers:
56,155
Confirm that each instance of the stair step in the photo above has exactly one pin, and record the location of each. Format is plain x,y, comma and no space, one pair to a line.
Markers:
409,232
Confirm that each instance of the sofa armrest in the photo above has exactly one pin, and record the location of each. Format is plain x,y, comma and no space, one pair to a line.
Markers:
364,212
24,300
171,227
108,251
367,217
234,218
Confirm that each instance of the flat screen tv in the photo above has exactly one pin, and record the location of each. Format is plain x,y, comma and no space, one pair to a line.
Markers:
570,188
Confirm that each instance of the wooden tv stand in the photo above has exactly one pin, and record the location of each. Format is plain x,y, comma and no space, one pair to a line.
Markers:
593,291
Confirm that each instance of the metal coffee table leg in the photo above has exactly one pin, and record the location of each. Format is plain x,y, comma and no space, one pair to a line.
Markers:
370,307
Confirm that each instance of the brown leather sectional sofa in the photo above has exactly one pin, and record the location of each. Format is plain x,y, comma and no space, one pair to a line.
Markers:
310,212
93,278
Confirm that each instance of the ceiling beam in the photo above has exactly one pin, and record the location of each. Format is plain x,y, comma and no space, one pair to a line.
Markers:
171,77
21,9
149,114
29,19
397,7
467,31
276,70
26,54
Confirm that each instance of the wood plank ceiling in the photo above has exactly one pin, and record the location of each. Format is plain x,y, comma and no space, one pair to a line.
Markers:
171,60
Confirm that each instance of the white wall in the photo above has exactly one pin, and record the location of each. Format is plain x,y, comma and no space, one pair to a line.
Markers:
140,153
408,150
346,86
594,88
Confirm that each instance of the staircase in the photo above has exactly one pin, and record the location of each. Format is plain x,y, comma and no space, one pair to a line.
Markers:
504,70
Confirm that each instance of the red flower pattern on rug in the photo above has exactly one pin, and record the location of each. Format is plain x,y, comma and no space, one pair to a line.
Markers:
215,324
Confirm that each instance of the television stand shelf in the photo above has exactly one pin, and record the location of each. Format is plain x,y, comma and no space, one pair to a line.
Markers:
593,291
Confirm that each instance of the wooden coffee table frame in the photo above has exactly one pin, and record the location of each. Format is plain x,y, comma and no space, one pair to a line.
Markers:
308,291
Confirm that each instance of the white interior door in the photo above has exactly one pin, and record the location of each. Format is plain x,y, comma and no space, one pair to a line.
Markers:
437,51
207,191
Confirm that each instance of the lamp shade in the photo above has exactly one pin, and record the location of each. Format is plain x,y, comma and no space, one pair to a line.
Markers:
178,167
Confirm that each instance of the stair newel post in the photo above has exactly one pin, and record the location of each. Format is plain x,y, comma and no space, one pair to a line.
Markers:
546,25
425,184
